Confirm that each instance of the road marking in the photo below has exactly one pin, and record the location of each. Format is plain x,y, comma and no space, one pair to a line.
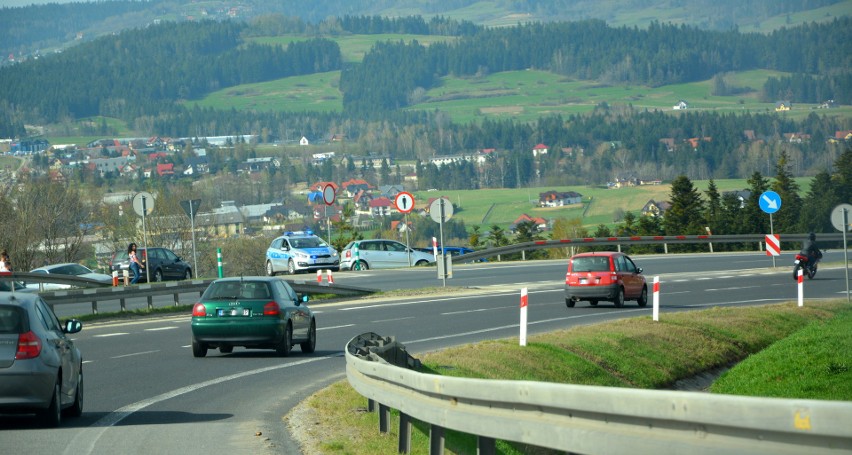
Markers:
391,320
104,335
478,310
134,354
335,327
87,438
733,288
161,328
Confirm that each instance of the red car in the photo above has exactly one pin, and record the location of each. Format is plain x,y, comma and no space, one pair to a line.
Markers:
605,275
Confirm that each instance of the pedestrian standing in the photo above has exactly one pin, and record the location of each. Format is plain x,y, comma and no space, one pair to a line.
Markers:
135,265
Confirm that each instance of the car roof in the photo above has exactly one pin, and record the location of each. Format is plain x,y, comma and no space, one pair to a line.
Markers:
247,278
17,298
596,253
48,268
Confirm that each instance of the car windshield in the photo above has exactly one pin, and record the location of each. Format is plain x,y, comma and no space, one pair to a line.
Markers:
308,242
590,264
238,290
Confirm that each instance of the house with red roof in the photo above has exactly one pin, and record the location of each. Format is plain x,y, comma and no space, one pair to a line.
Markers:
381,206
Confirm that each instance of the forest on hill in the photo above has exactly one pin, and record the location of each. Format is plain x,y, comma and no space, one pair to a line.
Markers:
140,76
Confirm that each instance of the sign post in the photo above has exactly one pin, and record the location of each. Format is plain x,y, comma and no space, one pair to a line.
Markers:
841,219
143,205
328,196
404,203
191,209
770,202
441,210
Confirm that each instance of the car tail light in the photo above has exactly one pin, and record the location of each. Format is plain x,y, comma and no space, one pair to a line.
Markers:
29,346
271,309
348,254
198,310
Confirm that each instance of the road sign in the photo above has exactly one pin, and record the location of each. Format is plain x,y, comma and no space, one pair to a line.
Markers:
435,210
404,202
328,195
191,207
143,198
770,201
773,245
837,218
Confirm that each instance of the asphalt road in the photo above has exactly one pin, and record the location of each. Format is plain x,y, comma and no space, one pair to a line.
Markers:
145,393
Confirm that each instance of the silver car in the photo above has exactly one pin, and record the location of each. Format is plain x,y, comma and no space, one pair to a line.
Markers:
70,269
41,371
381,254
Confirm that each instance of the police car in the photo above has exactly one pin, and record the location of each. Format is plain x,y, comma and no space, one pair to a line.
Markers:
295,252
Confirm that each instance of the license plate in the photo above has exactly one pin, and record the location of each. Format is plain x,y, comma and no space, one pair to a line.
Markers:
797,262
234,312
582,281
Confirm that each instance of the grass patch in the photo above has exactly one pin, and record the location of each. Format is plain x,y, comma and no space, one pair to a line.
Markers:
636,352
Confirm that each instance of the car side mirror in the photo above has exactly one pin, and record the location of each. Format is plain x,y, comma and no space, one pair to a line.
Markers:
638,269
72,326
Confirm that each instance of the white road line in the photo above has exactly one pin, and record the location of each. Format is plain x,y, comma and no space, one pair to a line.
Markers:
335,327
86,439
391,320
104,335
676,292
134,354
161,328
733,288
478,310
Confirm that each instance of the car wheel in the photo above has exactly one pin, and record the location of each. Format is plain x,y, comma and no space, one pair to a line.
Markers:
226,349
421,263
570,303
158,275
643,297
286,344
76,409
309,346
593,302
51,416
360,265
199,349
188,274
291,267
619,297
269,270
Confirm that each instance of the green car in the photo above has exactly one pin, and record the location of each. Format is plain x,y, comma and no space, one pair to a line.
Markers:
252,312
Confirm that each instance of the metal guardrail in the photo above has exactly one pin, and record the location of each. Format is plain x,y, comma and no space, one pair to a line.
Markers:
106,292
637,240
592,419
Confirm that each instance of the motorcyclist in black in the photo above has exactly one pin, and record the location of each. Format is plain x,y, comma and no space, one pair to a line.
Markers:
810,249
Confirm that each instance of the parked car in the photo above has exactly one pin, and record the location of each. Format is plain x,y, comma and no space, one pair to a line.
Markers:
296,252
9,285
252,312
454,250
69,268
609,276
41,371
381,254
162,264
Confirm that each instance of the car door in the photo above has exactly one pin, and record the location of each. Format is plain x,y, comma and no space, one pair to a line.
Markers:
370,252
62,348
300,318
172,265
277,254
628,275
397,254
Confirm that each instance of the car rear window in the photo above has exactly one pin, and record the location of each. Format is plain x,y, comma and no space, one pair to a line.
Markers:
590,264
238,290
11,319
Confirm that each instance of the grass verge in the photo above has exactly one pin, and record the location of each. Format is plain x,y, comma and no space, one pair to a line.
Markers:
807,349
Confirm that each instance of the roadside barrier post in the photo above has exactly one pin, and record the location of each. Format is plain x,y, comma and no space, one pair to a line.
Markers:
801,283
114,278
435,248
319,276
126,277
656,298
524,302
219,262
330,277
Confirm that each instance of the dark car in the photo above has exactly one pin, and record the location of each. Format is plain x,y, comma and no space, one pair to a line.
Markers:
252,312
162,264
607,275
41,371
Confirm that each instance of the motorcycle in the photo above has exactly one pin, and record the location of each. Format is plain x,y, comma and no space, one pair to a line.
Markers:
809,268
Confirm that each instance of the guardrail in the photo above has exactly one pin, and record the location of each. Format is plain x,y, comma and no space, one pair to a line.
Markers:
636,240
591,419
105,292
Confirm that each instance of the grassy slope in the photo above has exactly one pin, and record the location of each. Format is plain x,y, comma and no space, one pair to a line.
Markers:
635,352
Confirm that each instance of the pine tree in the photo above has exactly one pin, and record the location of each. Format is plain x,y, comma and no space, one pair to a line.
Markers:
786,219
755,220
817,205
685,216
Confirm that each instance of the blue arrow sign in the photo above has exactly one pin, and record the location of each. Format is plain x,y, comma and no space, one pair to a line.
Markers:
770,202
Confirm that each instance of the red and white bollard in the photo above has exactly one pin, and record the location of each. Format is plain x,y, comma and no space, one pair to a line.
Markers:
114,278
656,298
435,248
330,277
801,282
524,302
319,276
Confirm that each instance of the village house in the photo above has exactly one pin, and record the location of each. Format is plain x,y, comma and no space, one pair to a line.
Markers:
539,223
559,199
656,209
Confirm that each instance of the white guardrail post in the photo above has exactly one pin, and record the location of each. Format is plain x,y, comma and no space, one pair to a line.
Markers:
595,420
